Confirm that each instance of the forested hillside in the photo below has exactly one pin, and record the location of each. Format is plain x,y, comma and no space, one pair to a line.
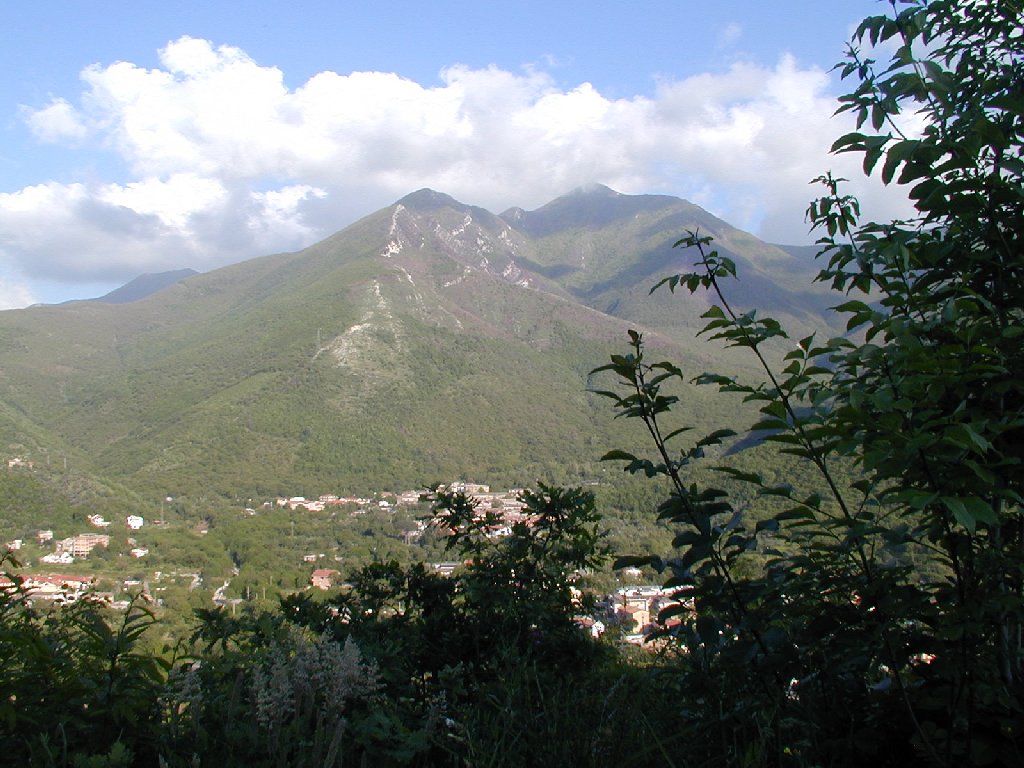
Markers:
430,340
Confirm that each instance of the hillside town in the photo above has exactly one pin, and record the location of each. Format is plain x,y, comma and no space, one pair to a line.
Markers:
633,609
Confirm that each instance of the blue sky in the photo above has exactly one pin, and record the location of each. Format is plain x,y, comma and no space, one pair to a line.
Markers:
141,137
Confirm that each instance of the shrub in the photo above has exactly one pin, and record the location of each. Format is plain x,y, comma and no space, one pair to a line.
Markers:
846,648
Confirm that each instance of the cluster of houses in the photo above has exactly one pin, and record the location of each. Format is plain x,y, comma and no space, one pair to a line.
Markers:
634,609
133,522
61,589
360,504
505,502
52,588
504,508
66,551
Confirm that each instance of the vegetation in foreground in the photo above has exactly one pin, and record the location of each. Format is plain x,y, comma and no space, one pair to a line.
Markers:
837,652
406,667
841,652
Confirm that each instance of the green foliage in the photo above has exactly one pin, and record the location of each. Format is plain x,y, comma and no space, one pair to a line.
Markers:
404,666
450,668
73,683
890,628
266,692
518,591
512,595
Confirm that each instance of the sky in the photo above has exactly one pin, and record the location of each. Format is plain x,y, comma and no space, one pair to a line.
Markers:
138,137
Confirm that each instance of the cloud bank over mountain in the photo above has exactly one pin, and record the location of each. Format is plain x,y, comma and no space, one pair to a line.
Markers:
210,157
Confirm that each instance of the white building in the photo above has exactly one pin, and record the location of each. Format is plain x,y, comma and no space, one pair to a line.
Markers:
64,558
82,544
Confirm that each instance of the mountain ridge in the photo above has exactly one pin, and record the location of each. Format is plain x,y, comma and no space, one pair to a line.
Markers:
145,285
429,339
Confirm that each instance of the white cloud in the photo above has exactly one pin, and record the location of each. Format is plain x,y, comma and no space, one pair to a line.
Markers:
172,201
223,161
74,232
57,122
70,231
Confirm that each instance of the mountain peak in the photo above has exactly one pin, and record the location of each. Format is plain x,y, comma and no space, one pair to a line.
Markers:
591,205
428,200
593,190
145,285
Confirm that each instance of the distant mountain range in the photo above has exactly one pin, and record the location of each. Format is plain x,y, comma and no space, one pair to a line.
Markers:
145,285
427,341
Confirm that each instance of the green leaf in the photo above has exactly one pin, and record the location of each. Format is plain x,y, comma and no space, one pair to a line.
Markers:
746,477
960,513
966,436
617,455
716,437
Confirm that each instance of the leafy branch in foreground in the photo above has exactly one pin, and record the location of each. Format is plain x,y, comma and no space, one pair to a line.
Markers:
900,594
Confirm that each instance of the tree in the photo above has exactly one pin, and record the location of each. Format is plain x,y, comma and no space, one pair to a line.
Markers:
482,661
925,395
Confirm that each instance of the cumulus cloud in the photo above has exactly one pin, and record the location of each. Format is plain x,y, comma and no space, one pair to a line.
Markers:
223,161
58,121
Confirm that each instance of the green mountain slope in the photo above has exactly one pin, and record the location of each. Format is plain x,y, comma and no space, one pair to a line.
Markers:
608,249
145,285
429,340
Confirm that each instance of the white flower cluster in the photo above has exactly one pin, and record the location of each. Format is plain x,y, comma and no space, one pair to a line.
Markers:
304,674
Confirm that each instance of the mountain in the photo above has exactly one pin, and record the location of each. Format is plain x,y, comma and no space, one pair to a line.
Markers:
608,249
429,340
145,285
